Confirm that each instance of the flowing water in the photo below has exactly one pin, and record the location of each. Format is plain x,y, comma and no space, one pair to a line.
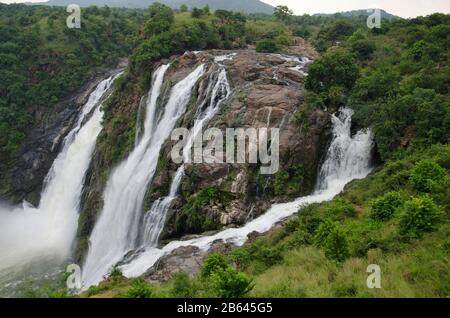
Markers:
45,234
348,158
116,232
30,236
217,92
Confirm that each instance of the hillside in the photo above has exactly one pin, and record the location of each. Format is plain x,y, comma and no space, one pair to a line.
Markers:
248,6
356,13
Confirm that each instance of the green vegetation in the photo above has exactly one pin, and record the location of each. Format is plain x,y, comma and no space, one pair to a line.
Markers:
325,249
419,215
197,30
395,78
217,279
383,208
192,218
43,61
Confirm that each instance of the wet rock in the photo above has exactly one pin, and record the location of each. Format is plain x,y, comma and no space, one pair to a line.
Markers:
185,259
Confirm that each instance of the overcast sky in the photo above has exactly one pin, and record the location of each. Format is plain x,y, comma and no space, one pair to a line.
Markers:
402,8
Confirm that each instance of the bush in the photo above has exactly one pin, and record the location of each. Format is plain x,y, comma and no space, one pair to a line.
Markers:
213,263
335,68
139,289
336,247
363,49
341,208
228,283
182,287
332,239
419,215
383,208
428,176
224,281
267,46
116,274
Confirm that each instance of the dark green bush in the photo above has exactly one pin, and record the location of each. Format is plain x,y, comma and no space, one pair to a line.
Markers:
213,263
383,208
139,289
223,280
332,239
418,216
267,46
428,176
228,283
182,286
341,208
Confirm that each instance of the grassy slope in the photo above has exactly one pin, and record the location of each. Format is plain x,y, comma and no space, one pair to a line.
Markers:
284,265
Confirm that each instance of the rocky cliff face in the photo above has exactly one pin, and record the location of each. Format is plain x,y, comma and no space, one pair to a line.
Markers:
267,91
24,181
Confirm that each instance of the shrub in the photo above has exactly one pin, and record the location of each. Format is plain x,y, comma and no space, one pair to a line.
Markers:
116,274
335,68
182,286
332,239
323,231
267,46
341,208
363,48
419,215
228,283
383,208
336,247
213,263
428,176
224,281
139,289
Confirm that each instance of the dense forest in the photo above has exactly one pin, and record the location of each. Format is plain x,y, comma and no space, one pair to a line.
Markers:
43,61
396,78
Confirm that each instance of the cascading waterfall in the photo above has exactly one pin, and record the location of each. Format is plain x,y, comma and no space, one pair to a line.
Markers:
347,158
218,90
116,231
29,234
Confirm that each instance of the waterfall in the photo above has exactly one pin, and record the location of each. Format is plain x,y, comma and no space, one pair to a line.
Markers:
116,230
29,234
218,91
347,159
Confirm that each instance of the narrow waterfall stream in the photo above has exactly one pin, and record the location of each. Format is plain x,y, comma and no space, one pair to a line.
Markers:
29,235
117,228
348,158
218,91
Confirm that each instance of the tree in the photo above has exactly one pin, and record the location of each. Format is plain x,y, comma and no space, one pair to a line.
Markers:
161,19
335,68
184,8
197,13
283,13
206,10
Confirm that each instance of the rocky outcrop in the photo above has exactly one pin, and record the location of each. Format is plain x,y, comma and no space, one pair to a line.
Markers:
267,91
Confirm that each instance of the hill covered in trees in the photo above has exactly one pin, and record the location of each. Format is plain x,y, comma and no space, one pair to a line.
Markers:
247,6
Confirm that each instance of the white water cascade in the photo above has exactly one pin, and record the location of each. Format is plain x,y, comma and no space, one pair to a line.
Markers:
218,91
28,234
348,158
117,228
